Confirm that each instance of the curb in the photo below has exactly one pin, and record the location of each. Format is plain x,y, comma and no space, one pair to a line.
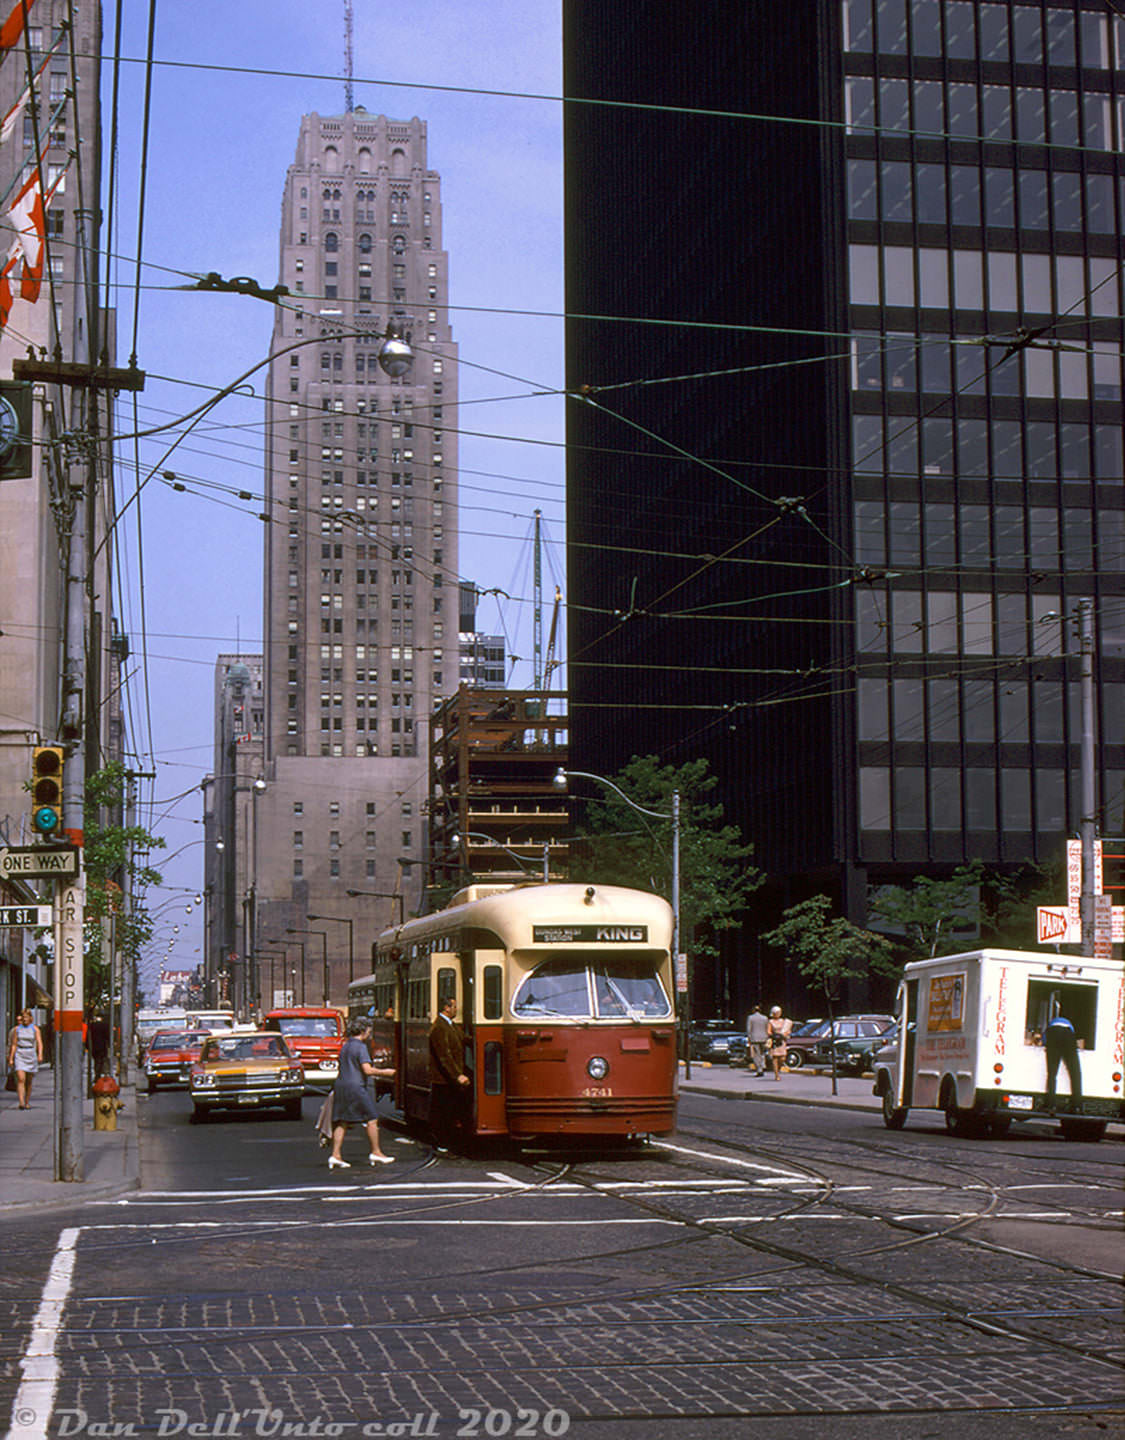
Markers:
828,1103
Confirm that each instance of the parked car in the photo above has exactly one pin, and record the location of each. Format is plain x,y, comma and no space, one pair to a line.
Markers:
236,1071
170,1056
718,1040
815,1048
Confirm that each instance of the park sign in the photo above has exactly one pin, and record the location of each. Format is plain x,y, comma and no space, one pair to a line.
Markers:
39,862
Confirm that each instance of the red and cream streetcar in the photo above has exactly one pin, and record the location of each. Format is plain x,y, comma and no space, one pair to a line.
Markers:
565,993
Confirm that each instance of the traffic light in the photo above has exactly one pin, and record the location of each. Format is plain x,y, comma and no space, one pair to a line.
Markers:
47,789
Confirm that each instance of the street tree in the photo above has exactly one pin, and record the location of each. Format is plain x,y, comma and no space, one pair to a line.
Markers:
620,847
926,910
112,855
1002,903
827,951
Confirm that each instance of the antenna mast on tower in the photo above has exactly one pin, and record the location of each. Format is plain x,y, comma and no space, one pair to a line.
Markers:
349,99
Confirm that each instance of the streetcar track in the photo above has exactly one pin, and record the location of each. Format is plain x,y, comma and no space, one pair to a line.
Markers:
1003,1325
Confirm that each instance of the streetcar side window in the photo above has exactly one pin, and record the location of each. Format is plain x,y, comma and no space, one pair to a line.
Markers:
493,992
446,984
557,987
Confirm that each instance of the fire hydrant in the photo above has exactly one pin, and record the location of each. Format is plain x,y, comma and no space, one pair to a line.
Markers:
106,1103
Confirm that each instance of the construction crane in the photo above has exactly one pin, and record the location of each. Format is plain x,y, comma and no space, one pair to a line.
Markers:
551,663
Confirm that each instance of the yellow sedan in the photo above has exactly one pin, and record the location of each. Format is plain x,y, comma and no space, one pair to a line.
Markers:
239,1071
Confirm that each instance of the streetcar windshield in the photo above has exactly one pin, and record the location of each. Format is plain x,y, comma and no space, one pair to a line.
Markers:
630,989
602,986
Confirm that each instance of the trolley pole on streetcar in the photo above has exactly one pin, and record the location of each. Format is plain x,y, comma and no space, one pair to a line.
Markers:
521,861
560,783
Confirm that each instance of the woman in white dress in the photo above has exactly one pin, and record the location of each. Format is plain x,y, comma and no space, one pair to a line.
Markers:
25,1055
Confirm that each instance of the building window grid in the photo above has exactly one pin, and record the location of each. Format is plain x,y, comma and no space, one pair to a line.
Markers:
913,791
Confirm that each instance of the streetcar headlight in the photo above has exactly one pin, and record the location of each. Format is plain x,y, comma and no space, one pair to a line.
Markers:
597,1067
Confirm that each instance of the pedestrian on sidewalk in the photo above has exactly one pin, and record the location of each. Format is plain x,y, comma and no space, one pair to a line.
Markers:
779,1032
25,1055
757,1038
352,1102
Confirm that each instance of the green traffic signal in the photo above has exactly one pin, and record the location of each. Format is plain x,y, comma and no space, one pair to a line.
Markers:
47,789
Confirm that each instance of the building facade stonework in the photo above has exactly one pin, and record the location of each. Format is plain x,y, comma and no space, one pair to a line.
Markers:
361,612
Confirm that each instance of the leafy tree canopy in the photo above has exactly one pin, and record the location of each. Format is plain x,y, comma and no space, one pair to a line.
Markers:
926,911
828,951
620,847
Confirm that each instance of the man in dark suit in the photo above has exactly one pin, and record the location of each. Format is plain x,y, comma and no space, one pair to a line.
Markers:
449,1083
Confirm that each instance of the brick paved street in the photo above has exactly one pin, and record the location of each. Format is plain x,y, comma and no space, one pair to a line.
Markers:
753,1267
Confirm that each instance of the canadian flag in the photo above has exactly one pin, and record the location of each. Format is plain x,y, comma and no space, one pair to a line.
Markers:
6,289
12,28
28,220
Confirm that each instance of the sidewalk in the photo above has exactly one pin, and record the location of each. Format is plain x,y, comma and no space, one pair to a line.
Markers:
797,1087
111,1162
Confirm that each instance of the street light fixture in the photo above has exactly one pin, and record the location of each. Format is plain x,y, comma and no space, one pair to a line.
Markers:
521,860
560,783
300,945
323,934
343,920
379,895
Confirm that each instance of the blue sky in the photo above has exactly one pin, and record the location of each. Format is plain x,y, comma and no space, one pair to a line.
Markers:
223,128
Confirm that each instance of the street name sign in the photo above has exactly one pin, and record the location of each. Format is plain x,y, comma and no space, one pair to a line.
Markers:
25,916
37,862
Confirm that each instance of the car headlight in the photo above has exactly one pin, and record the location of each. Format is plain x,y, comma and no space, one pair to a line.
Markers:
202,1079
597,1067
293,1073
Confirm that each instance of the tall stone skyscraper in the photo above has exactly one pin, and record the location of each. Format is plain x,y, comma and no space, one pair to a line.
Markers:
361,614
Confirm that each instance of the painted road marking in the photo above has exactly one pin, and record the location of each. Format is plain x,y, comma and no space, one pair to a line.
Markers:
35,1398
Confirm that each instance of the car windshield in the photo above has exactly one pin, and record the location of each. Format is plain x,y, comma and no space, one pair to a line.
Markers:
588,986
308,1026
171,1040
245,1047
717,1025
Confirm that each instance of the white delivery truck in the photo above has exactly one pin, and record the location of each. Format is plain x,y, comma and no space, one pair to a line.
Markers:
970,1042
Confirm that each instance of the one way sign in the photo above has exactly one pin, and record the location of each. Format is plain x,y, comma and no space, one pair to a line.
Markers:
38,862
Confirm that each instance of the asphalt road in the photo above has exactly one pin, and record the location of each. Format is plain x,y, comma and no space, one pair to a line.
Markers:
796,1267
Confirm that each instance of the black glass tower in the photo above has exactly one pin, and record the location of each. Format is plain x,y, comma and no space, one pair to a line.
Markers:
845,318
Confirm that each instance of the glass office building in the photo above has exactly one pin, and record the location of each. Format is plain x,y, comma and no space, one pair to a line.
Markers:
879,241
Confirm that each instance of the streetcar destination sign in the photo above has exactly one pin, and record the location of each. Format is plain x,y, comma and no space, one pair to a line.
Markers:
35,862
25,916
589,934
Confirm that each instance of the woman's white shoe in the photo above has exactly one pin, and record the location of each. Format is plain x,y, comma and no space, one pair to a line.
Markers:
380,1159
334,1164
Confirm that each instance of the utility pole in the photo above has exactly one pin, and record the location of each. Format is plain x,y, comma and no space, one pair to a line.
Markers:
129,960
1088,909
70,896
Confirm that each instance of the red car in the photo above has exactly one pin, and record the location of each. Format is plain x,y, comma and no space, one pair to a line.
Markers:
170,1056
314,1033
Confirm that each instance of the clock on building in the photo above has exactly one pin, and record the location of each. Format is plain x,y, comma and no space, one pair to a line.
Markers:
15,431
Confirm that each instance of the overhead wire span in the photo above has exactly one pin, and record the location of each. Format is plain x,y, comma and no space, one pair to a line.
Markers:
592,102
